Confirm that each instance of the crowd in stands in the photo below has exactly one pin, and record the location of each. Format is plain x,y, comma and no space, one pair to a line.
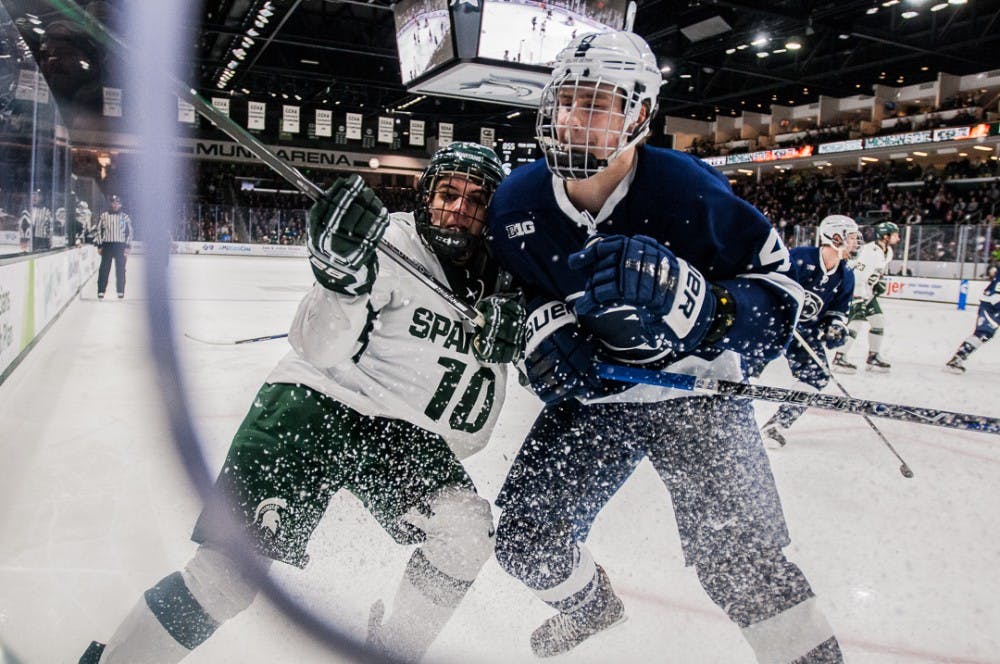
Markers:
969,105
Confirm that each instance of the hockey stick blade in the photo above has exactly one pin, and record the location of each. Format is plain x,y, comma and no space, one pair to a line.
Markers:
99,32
941,418
904,467
236,342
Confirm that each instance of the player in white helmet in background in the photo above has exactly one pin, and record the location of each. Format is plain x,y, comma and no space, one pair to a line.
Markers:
829,284
640,255
386,390
870,266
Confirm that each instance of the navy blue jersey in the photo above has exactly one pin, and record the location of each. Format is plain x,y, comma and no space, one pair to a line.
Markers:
826,294
988,318
677,200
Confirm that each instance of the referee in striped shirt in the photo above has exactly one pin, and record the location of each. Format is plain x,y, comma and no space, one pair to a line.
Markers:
114,238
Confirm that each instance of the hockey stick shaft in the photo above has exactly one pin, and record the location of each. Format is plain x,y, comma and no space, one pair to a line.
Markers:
235,342
941,418
102,34
904,469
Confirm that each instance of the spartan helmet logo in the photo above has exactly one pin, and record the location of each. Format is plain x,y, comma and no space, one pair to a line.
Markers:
811,307
267,516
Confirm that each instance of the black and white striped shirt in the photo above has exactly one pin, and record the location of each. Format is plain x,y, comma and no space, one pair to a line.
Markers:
37,222
114,227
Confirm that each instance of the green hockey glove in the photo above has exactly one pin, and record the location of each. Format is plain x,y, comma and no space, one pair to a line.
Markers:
345,227
501,338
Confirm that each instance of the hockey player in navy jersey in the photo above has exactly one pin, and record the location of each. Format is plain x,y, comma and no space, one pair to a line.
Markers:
987,322
639,255
829,285
385,392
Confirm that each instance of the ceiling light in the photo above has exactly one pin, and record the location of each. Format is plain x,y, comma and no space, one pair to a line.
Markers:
512,115
240,53
253,33
910,14
245,91
793,44
780,50
309,62
919,154
266,13
869,159
260,23
939,6
957,2
872,10
666,69
760,40
730,51
298,97
762,54
890,3
741,47
247,42
963,154
984,148
84,65
685,75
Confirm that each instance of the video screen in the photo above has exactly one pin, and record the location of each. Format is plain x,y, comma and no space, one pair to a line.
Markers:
532,33
423,36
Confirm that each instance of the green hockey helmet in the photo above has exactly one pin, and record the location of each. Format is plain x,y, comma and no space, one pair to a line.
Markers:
443,183
885,229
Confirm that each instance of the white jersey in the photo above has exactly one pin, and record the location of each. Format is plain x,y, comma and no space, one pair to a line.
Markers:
870,264
399,351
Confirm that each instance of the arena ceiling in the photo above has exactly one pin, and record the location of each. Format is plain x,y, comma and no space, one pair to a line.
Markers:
343,52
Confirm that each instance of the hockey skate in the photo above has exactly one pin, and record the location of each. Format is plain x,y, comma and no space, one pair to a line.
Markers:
841,365
564,631
877,364
93,653
955,366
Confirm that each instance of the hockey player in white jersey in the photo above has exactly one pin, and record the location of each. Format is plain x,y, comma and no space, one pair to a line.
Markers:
870,266
386,390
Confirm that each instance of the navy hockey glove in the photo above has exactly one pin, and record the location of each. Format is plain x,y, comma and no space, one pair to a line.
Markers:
559,355
501,338
834,331
345,227
674,304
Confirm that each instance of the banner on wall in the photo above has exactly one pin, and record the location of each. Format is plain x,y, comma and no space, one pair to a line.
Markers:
324,123
416,132
446,133
221,104
487,136
290,119
185,112
256,111
353,123
113,102
385,126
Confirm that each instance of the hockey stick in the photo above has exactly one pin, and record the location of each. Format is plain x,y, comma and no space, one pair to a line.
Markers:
102,34
904,468
941,418
236,342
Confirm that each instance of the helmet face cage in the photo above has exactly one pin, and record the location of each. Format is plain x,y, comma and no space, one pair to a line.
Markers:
454,192
589,112
583,124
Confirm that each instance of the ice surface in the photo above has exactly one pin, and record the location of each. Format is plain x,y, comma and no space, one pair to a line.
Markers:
95,507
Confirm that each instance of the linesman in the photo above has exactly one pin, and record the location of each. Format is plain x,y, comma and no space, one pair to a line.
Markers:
114,239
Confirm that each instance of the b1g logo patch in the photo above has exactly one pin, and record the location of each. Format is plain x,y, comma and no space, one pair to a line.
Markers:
520,229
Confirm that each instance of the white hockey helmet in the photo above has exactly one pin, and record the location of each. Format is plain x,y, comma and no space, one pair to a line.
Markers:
619,64
834,229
